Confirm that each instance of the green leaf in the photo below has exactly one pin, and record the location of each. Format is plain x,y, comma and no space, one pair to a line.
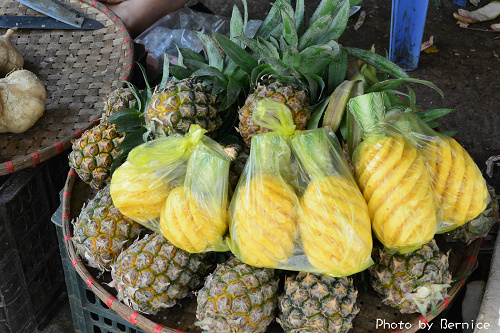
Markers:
315,86
315,32
270,22
316,113
260,49
211,72
338,104
299,13
337,70
237,26
261,71
368,109
236,53
232,92
354,2
449,134
288,20
179,72
378,62
292,58
314,59
192,55
166,71
391,84
325,8
212,51
339,22
433,114
434,124
130,141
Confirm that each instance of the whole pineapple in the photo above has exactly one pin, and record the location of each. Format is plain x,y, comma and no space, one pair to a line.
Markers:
412,282
152,274
179,105
317,303
237,298
94,152
101,232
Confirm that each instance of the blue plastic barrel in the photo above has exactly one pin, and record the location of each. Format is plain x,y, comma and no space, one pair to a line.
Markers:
461,3
407,29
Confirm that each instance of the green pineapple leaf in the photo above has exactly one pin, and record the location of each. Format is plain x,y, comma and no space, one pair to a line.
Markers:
337,70
394,83
314,32
212,51
433,114
316,57
179,72
238,24
236,53
339,22
299,14
377,61
260,47
166,72
130,141
292,58
325,8
272,20
288,20
127,120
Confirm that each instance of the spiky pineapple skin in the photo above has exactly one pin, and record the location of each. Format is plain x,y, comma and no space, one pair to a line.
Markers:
317,303
118,100
397,188
94,152
264,221
152,274
237,298
399,277
180,104
296,100
101,232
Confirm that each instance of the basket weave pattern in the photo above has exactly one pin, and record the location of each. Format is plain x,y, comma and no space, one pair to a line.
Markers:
78,69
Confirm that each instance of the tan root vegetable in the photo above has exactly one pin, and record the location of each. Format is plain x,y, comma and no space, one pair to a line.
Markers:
22,101
10,58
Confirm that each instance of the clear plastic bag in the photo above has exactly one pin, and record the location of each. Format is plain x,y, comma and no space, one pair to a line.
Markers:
458,183
296,205
177,186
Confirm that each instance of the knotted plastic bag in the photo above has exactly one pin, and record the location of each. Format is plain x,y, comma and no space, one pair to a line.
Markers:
296,205
177,186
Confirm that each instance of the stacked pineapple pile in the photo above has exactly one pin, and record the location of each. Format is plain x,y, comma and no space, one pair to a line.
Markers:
412,183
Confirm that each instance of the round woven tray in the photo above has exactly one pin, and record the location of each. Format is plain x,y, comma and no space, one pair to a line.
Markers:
179,319
78,68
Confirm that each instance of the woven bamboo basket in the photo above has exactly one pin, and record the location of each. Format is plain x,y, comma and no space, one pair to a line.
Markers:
78,69
181,318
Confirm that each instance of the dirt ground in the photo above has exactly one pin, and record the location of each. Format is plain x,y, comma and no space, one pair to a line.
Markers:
465,67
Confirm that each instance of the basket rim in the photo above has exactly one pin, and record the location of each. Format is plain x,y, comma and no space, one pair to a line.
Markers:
144,323
46,153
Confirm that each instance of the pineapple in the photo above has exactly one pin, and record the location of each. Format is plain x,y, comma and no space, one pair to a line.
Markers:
237,298
239,157
458,183
392,176
101,232
412,282
94,152
334,224
152,274
174,108
317,303
478,227
118,100
139,195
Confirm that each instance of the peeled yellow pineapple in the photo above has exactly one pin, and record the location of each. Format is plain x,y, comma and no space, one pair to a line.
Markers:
335,227
138,195
402,205
191,224
264,222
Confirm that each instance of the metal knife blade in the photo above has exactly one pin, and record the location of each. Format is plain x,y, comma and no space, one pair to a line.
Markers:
44,22
57,10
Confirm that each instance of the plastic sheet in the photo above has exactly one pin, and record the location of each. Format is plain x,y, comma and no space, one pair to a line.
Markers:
177,186
458,183
296,205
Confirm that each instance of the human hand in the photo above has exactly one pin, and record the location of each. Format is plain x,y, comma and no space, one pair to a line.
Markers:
112,2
